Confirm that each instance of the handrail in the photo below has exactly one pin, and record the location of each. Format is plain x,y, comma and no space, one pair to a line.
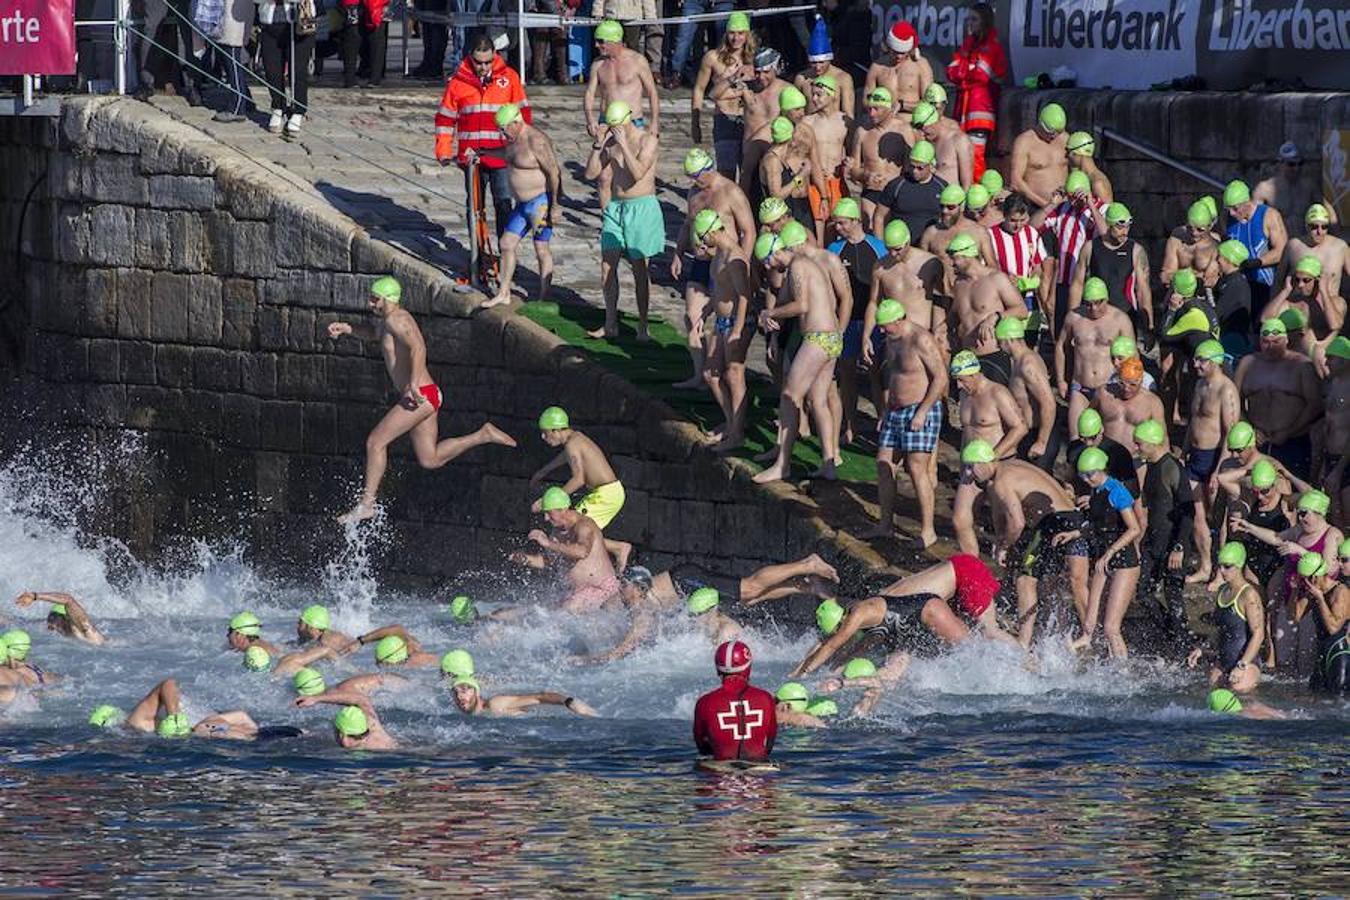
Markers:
1161,157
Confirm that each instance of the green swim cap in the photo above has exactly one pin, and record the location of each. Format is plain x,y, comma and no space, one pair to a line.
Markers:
890,310
847,208
174,725
828,616
17,643
106,716
827,82
1222,700
1010,328
1094,290
765,245
992,181
780,130
822,707
935,94
1309,265
1116,213
1273,328
1077,183
468,681
896,234
738,21
1052,118
791,98
247,624
1293,319
792,235
1093,459
964,363
463,611
387,289
617,113
316,617
859,667
963,245
1211,350
554,499
1124,347
794,695
880,96
350,720
952,195
1314,501
1026,283
1185,283
706,222
771,209
457,663
391,650
1235,252
1234,554
1082,143
1241,435
1317,214
1089,423
308,682
1312,565
554,418
256,659
506,114
977,197
922,152
1343,549
1150,431
697,161
609,32
58,609
1212,205
1264,474
702,600
1339,347
1236,194
924,113
1199,215
976,452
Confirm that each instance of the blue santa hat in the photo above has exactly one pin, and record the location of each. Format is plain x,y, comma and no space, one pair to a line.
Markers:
820,49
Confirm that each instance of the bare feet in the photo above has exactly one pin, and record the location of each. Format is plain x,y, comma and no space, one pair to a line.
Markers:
622,551
771,474
605,334
768,455
1198,577
358,513
500,299
1077,645
494,435
642,336
822,568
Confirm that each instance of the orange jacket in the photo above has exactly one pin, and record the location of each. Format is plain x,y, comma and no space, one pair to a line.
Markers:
469,108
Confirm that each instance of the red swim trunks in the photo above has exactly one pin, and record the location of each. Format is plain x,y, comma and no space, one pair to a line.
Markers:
433,395
976,586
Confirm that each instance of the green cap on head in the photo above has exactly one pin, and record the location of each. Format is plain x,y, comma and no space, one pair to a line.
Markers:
924,113
466,681
1150,431
1234,554
506,114
1089,423
706,222
1222,700
609,32
1264,474
256,659
1117,213
1123,347
880,96
738,21
58,609
859,667
1212,205
554,499
351,721
771,209
977,197
1198,215
554,418
1236,193
963,245
174,725
1317,215
1077,183
792,235
463,611
822,707
791,98
697,161
387,289
922,152
1310,266
1211,350
828,616
1273,328
17,643
896,234
964,363
106,716
391,650
1235,252
457,664
1185,283
1293,319
701,601
618,112
1093,459
793,694
1339,348
1094,290
1081,143
976,452
316,617
1314,501
992,181
765,245
1052,117
780,130
826,82
890,310
247,624
1010,328
1343,549
952,195
935,94
846,208
1312,565
1241,436
308,682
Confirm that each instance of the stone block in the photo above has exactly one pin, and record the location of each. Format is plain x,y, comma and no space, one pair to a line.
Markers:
252,250
319,430
300,330
697,526
134,289
152,248
189,249
1202,127
109,236
219,229
313,239
137,363
487,338
154,409
302,377
272,327
663,525
241,416
529,347
270,477
203,413
354,424
56,297
170,300
738,529
1302,115
504,503
215,370
239,309
632,523
280,426
114,178
173,366
301,287
104,405
105,360
182,192
99,318
205,312
1145,117
350,291
360,380
448,340
246,192
160,156
258,374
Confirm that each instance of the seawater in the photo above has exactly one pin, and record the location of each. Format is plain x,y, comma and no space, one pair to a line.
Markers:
976,776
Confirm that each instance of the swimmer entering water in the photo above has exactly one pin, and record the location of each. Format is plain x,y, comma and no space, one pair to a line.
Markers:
14,647
356,726
589,469
470,700
394,646
160,712
315,624
67,617
576,538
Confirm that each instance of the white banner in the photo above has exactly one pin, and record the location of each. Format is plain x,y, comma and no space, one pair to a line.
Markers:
1108,43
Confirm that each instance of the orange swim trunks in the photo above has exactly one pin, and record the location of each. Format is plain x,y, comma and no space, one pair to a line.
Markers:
834,186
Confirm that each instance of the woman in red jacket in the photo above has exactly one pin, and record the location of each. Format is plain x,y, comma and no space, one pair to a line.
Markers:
976,70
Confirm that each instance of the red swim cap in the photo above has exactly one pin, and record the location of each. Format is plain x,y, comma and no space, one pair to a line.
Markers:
732,658
976,586
902,37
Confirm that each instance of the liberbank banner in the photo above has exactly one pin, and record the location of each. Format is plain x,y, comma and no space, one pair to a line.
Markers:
1115,43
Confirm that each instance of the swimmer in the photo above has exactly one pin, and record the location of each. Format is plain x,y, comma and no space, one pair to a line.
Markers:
1331,601
244,631
470,700
725,347
791,708
1112,530
1241,622
394,646
405,355
315,624
310,682
15,644
67,617
160,712
1222,700
256,659
356,726
588,468
703,606
861,672
620,75
736,720
576,538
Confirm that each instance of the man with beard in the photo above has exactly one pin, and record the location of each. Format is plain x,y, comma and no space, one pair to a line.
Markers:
873,164
906,74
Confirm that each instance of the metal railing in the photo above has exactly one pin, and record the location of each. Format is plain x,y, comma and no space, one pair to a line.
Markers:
1159,156
122,13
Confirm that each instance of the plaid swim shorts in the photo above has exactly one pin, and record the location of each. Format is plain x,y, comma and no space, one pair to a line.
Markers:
895,433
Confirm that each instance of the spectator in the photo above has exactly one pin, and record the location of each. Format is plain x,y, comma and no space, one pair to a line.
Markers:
976,70
625,11
546,42
286,48
230,34
435,40
680,63
364,41
850,24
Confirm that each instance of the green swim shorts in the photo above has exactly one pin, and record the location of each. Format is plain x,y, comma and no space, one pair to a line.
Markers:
634,226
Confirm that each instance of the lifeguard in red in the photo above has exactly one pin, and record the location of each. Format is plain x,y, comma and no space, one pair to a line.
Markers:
737,720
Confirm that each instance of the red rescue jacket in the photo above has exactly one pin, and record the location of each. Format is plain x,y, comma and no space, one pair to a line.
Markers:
736,721
375,8
975,70
469,109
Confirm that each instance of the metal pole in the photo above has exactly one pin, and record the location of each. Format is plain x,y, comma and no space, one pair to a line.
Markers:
1162,158
27,91
520,36
405,41
120,46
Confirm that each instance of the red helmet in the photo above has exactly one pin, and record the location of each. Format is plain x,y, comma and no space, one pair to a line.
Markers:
732,658
902,37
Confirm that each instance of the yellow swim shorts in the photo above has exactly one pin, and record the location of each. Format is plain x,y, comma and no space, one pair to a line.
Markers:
602,504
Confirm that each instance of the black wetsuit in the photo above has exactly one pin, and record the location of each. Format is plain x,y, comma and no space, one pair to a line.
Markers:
1263,559
918,205
902,625
1119,465
1035,555
1115,266
1332,674
1105,525
1234,632
1171,513
799,207
1233,308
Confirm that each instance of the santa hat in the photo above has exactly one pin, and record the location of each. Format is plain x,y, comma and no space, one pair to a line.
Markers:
820,50
902,37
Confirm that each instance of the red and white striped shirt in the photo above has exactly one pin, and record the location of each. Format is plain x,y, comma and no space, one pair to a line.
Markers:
1073,227
1019,253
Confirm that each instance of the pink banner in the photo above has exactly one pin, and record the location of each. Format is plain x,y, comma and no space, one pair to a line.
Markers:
37,37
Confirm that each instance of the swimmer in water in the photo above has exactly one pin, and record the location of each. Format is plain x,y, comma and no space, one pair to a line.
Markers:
310,682
1225,702
1241,625
244,631
67,617
394,646
470,700
861,672
793,702
15,645
315,624
160,712
256,659
576,538
356,726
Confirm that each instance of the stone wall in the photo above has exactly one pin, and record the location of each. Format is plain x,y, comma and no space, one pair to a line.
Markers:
175,288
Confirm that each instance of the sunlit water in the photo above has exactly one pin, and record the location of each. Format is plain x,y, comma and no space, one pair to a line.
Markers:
976,777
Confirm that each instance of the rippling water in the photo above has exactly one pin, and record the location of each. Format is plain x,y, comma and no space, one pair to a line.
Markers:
975,777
